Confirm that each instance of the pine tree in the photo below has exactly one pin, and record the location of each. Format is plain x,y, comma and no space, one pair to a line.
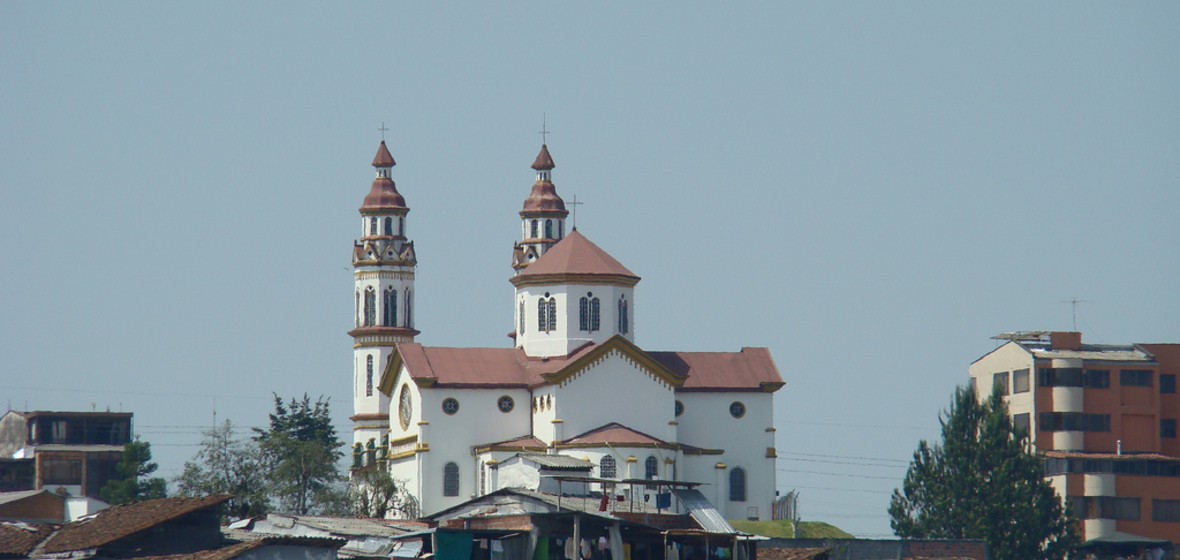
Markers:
301,451
981,482
130,483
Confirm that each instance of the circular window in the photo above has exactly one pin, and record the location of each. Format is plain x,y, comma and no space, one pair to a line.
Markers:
506,404
450,406
679,408
404,408
737,409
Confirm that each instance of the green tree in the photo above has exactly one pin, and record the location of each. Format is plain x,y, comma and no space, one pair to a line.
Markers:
981,482
130,483
227,465
301,452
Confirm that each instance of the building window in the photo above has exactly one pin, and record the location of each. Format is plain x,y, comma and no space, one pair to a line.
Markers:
589,313
389,226
1167,427
520,328
357,309
1135,377
1165,510
409,323
1167,383
533,230
560,229
737,409
547,314
1020,422
1096,379
1020,381
450,405
548,229
451,479
1000,380
651,468
61,471
607,468
405,408
1073,422
370,307
737,484
623,315
401,225
679,408
369,375
372,226
389,307
1105,507
505,403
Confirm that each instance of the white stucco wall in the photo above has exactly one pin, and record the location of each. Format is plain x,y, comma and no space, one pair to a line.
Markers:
568,337
1007,358
614,390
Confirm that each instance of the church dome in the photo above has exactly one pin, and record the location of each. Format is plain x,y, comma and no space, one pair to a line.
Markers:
384,193
543,197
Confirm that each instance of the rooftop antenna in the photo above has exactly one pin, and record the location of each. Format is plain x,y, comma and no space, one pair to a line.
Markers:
1074,301
544,130
574,202
383,129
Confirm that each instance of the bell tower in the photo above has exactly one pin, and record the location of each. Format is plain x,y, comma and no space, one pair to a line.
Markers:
383,262
543,215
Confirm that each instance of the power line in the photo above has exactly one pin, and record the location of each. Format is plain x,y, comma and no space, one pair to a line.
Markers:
843,463
849,457
858,426
840,474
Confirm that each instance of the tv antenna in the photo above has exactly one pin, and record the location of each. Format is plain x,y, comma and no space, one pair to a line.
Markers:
1074,304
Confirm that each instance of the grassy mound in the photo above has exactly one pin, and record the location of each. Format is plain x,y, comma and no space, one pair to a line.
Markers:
782,529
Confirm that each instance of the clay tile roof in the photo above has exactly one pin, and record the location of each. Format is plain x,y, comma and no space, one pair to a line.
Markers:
752,369
238,549
614,434
114,523
18,539
576,255
383,157
544,160
479,367
793,553
383,194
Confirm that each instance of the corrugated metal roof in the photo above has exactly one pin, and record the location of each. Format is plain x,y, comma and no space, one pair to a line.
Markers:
557,461
702,511
1105,355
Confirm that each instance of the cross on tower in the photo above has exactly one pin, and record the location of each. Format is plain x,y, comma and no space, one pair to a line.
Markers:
544,131
574,202
382,129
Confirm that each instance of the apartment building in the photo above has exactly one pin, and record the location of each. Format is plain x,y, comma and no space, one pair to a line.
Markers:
1105,419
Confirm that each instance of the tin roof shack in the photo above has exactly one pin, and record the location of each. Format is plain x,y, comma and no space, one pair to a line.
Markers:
360,538
74,452
531,524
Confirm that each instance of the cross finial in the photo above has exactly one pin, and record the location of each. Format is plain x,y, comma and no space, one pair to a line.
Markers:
574,202
544,131
382,129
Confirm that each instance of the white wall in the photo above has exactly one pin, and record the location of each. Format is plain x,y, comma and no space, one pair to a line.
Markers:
614,390
568,337
707,423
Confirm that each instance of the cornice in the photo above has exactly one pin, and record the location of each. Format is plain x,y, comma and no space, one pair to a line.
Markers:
523,280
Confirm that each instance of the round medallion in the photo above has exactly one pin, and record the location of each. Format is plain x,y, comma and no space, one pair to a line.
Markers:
737,409
404,408
505,403
450,406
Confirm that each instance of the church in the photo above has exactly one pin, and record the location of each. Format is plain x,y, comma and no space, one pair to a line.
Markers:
574,390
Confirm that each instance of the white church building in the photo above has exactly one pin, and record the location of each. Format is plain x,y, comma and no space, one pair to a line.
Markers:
574,383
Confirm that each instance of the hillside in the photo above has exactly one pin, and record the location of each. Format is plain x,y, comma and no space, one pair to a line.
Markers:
782,529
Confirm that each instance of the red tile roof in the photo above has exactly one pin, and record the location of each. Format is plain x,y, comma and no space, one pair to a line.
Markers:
237,549
114,523
543,161
18,539
543,199
574,256
750,369
383,157
522,442
614,434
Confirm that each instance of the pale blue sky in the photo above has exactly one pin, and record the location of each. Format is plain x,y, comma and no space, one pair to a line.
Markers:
871,190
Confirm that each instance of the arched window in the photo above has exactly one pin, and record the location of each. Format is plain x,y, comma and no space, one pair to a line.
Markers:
552,326
388,226
520,329
607,468
409,324
369,376
372,226
389,307
357,309
737,484
548,229
588,313
623,315
651,468
533,230
451,479
401,225
560,229
370,307
547,314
